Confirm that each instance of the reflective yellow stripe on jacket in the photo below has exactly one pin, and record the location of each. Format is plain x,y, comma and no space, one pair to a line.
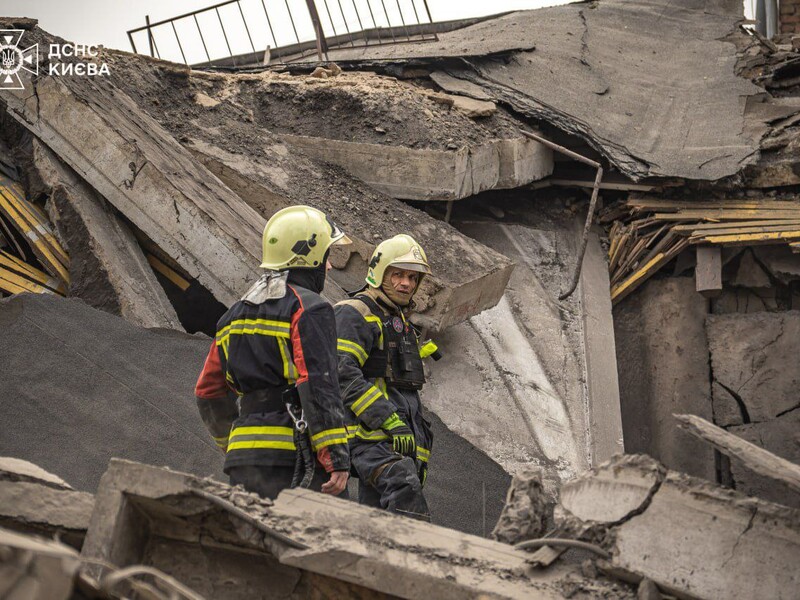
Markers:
328,437
343,345
423,454
365,400
251,438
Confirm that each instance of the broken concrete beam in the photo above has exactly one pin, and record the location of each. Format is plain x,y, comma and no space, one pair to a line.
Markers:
45,510
708,271
467,276
754,364
225,543
33,500
754,458
233,141
32,568
662,358
130,160
108,269
692,538
525,512
400,139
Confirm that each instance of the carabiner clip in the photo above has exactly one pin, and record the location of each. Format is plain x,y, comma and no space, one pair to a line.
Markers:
299,420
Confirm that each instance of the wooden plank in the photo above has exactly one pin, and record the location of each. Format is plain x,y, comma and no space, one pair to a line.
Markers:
711,227
727,203
12,263
39,235
746,239
708,272
10,281
758,460
727,215
744,230
168,273
639,277
37,217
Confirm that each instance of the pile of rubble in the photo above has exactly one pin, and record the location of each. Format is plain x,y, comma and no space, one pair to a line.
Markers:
141,195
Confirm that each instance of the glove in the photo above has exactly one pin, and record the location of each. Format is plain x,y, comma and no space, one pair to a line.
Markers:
402,437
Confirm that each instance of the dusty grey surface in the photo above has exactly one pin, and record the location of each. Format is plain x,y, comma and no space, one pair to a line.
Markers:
662,358
754,365
649,83
466,489
82,386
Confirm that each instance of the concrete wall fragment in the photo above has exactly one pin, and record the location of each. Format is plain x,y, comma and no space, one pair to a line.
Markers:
662,360
692,538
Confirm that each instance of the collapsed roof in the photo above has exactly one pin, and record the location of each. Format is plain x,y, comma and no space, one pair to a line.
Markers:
652,85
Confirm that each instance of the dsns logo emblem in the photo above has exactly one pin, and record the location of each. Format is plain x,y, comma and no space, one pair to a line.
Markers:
14,59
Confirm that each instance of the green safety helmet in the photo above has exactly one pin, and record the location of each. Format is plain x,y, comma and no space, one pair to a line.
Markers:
298,237
401,251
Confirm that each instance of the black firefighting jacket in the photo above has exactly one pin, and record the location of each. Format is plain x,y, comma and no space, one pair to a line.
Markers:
362,325
283,341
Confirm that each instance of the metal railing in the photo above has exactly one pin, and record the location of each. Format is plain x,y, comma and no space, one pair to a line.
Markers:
258,31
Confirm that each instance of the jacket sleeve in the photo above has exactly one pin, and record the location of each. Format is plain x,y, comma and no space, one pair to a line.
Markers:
215,401
357,338
313,335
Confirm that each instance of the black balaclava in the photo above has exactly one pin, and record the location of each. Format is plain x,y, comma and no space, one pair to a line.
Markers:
311,279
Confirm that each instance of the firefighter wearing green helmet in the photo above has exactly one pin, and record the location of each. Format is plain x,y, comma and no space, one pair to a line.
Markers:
269,386
380,374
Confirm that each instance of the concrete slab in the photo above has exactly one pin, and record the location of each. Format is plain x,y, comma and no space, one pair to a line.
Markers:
523,362
180,524
692,538
100,133
108,269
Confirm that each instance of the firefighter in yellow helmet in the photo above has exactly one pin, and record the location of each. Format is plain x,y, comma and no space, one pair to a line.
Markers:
380,374
275,349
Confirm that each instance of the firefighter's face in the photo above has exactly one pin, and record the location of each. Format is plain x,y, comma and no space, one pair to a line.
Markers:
401,280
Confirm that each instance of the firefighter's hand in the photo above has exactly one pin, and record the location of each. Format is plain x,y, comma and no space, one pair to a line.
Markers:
336,484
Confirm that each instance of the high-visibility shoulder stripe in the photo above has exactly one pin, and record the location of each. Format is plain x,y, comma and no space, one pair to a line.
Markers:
254,326
343,345
374,319
365,400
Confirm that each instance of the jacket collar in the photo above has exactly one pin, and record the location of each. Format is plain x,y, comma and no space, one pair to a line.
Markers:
382,300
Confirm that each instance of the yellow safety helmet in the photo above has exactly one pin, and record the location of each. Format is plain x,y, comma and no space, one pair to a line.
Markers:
401,251
298,237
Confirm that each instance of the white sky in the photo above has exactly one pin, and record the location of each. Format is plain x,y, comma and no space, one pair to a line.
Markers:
106,21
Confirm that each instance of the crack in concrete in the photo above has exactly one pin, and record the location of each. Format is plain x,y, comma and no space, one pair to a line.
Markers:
738,399
747,528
